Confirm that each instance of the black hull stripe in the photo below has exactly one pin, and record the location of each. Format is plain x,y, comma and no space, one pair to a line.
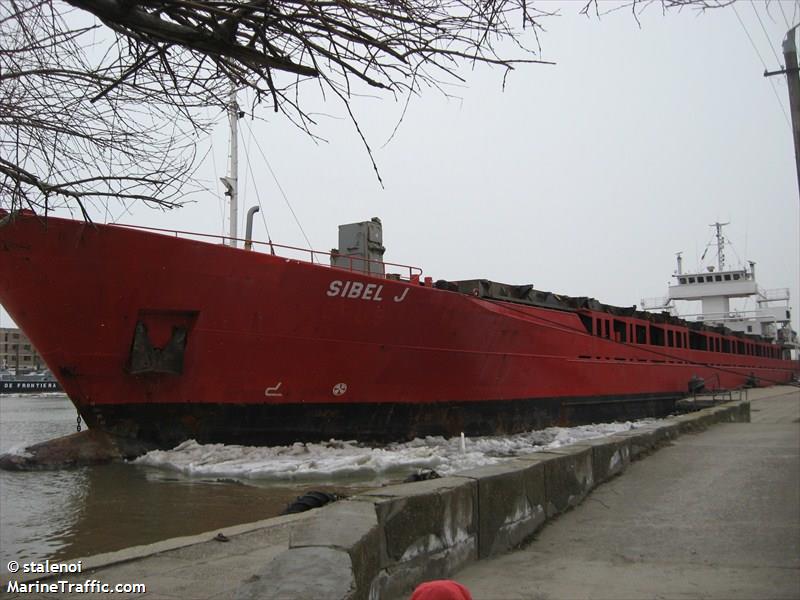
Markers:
166,425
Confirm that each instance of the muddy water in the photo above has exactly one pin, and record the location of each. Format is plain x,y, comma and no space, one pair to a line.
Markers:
78,512
195,488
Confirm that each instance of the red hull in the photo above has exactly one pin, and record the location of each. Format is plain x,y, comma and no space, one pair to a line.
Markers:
266,336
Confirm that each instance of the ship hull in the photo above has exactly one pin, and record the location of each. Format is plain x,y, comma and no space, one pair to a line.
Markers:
162,339
168,424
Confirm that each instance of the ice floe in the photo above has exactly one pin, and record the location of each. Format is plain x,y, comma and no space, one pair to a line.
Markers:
348,460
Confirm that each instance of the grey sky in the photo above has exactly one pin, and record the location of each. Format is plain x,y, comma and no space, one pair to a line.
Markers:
582,178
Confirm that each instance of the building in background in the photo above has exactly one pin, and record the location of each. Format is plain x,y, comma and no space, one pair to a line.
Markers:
16,351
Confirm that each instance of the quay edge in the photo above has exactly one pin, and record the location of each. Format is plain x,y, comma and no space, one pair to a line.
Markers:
383,542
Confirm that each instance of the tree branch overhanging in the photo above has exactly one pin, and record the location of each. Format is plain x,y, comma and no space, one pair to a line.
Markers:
113,110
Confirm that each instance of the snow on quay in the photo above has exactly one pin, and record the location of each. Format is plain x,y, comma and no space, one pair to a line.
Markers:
340,461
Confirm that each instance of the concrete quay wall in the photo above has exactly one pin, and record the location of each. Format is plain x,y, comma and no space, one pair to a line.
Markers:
383,542
380,544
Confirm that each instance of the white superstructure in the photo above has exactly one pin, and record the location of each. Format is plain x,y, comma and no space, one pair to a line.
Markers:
715,285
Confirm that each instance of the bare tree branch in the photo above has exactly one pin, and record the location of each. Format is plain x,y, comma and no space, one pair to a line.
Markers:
55,142
95,112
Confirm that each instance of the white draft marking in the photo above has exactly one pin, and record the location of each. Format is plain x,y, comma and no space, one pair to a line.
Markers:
273,391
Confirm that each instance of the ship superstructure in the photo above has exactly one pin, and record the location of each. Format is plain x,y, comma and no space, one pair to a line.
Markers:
715,286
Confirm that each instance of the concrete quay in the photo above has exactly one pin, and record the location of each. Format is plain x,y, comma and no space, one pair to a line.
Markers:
712,515
713,507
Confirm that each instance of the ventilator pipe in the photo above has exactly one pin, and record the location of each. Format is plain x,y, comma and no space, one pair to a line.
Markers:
248,237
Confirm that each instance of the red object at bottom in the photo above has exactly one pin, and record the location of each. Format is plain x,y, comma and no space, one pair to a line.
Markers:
441,589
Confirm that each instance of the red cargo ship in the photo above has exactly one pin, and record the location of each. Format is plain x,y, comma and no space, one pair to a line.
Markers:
163,338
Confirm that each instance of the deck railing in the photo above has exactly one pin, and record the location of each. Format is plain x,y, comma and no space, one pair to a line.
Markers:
774,295
735,315
356,263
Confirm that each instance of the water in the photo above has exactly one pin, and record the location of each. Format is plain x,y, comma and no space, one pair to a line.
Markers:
195,488
76,512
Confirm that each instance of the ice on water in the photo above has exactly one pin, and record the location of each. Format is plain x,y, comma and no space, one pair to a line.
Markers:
338,460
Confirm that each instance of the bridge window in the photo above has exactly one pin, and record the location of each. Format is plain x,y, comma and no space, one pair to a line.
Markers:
641,334
727,277
670,338
682,279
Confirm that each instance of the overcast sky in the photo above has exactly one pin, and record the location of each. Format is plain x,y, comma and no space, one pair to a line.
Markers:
582,178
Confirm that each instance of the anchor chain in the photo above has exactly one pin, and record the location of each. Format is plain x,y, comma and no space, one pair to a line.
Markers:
79,422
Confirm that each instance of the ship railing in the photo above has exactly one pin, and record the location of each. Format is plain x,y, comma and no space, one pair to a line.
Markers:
720,396
773,295
734,315
356,264
661,303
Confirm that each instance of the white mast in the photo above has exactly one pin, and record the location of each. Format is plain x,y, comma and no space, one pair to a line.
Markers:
231,181
720,245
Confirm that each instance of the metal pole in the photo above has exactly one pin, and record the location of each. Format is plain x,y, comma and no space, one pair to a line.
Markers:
793,81
233,173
